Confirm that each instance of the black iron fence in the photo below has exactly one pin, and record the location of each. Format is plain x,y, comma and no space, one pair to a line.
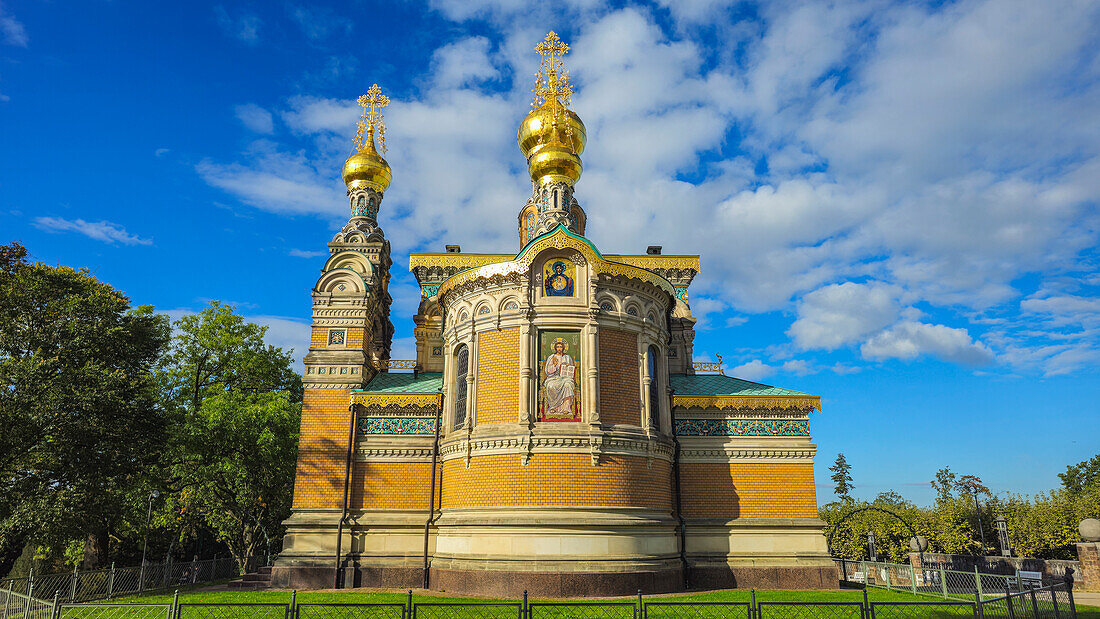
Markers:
1051,602
87,585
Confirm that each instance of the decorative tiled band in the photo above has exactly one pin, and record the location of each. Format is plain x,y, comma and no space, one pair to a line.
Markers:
742,427
383,425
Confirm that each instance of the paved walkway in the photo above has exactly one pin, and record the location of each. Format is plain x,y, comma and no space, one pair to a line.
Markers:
1086,598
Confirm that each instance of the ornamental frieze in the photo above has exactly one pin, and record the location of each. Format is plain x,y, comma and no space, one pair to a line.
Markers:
742,427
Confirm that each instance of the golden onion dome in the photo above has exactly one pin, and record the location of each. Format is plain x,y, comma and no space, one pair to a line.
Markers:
554,163
367,169
538,128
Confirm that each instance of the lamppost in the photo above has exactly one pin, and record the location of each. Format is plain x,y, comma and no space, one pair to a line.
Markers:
145,543
978,515
1002,535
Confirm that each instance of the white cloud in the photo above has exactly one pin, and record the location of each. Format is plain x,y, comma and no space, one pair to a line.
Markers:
840,314
12,31
908,340
463,62
105,231
243,26
255,118
753,370
302,253
160,152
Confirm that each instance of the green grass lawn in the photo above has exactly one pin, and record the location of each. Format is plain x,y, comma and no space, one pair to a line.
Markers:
367,596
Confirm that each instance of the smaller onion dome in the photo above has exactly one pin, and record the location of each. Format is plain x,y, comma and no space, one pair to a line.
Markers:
367,169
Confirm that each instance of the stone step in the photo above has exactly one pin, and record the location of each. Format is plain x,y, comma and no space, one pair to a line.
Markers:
256,577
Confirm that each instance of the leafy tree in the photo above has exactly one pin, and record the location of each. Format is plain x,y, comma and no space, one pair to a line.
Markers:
1082,475
842,477
237,406
78,404
944,483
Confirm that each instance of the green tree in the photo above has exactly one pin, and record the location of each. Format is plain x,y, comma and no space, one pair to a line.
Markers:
237,407
1082,475
78,404
944,484
842,477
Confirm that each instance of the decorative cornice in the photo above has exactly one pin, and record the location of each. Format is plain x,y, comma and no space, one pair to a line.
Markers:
809,402
742,427
401,400
369,453
724,454
525,444
648,262
453,260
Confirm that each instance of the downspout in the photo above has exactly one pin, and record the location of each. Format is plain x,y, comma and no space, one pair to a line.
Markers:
676,488
431,488
347,491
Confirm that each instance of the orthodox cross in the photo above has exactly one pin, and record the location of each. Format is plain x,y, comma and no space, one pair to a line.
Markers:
371,120
552,80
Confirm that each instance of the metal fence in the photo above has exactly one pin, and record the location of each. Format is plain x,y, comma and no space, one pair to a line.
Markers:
1052,602
936,582
88,585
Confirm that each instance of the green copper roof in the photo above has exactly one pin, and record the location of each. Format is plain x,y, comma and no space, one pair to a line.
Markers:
404,382
717,384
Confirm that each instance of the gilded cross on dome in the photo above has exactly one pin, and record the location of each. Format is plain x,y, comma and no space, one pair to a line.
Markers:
371,120
552,80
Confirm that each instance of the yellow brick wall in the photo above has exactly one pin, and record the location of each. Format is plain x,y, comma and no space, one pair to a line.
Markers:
319,337
748,490
619,382
557,479
322,449
497,376
391,485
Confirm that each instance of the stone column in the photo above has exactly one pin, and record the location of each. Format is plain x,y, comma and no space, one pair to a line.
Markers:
1088,553
525,371
591,397
643,362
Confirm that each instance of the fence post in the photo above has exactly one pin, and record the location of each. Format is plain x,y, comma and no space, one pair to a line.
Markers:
913,578
72,585
978,582
865,610
111,582
1008,603
294,602
1035,603
943,581
886,568
56,599
30,584
754,610
409,604
523,609
176,604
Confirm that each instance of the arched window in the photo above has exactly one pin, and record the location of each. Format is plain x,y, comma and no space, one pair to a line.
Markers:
654,389
462,368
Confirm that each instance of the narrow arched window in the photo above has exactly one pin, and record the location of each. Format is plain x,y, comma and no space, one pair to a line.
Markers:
462,368
654,389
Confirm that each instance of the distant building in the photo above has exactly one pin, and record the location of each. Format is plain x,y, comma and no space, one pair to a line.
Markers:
576,450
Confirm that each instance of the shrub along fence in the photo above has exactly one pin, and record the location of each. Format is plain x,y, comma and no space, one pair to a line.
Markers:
87,585
1053,602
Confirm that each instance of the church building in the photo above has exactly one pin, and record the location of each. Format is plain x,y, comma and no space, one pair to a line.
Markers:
553,434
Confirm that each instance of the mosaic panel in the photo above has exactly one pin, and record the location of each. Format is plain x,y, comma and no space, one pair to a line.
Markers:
393,425
742,427
429,291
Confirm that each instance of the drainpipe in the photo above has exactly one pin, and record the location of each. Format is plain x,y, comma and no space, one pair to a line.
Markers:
676,487
431,488
347,491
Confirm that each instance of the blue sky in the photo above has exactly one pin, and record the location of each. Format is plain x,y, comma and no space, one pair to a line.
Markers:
896,203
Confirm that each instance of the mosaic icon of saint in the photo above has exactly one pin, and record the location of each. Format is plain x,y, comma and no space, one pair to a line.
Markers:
559,284
560,385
